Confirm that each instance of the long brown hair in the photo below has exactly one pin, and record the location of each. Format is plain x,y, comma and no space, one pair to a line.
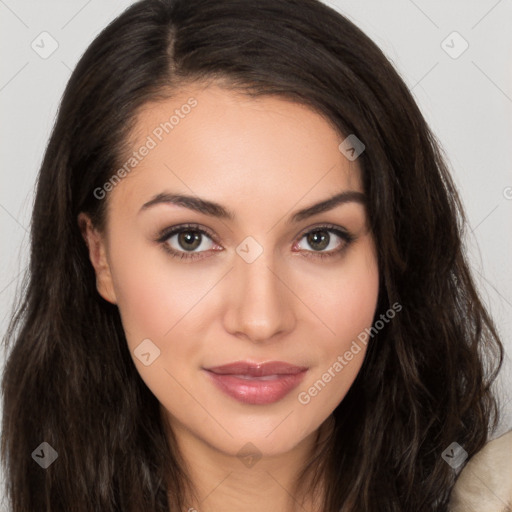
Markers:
426,378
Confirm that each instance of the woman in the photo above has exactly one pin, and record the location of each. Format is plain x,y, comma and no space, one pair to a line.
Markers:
247,285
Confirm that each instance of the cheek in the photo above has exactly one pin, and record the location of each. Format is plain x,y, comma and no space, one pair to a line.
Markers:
356,299
144,299
156,301
153,291
347,305
345,300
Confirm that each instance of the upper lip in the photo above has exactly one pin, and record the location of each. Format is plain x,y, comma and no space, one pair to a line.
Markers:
257,369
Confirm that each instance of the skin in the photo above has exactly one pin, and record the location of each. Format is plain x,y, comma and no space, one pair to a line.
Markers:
263,159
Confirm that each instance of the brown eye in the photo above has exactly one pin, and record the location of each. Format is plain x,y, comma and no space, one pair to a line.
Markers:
318,240
186,241
325,241
189,240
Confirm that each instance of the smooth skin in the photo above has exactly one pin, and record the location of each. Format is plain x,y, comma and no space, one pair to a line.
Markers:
262,159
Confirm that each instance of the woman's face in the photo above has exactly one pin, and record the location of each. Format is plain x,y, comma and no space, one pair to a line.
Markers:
259,285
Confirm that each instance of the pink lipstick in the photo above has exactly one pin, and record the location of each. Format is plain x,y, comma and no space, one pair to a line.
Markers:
254,383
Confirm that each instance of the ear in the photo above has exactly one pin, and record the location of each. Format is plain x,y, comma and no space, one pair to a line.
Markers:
95,242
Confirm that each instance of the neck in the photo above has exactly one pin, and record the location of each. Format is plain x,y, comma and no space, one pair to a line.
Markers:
232,483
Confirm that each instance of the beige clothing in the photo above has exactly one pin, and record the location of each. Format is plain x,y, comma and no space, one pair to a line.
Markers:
485,483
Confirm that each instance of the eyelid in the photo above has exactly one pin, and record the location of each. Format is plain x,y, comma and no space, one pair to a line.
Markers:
166,233
323,225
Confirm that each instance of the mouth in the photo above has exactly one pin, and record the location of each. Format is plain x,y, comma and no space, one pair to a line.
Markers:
257,384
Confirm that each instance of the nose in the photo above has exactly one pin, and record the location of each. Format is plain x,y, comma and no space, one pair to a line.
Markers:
260,305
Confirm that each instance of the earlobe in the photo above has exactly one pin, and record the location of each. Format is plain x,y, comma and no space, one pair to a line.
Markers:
98,256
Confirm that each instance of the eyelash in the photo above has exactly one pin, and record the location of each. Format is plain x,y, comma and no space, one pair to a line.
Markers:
164,236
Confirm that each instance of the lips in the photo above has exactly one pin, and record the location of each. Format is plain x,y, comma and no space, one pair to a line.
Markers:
257,370
254,383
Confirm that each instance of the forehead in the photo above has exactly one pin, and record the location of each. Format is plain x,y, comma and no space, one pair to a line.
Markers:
234,149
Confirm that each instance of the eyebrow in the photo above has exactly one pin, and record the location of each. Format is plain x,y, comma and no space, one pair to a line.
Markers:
216,210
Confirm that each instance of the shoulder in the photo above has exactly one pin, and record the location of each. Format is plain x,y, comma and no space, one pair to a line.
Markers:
485,483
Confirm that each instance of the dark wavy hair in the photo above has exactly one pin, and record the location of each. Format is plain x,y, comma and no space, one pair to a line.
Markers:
426,377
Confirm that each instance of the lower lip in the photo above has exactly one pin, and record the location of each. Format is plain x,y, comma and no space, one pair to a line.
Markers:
254,391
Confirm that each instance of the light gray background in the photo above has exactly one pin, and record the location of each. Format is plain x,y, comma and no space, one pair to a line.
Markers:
466,100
